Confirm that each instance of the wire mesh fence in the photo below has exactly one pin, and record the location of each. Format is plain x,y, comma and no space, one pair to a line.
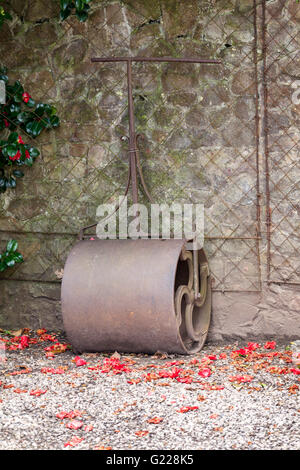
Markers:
224,136
280,37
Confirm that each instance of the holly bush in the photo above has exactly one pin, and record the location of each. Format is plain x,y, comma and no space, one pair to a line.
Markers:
10,256
4,15
67,7
20,112
81,9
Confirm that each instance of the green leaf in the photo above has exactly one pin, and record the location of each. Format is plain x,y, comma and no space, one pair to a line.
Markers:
2,267
24,116
28,127
14,109
54,121
46,122
12,150
12,182
30,103
4,152
18,173
22,150
81,15
12,245
18,98
39,110
49,109
29,161
18,257
10,90
13,137
37,128
18,87
6,183
10,261
3,77
3,184
79,4
10,257
65,13
33,152
64,4
7,16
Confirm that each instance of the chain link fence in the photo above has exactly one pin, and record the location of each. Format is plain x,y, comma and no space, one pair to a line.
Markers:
225,136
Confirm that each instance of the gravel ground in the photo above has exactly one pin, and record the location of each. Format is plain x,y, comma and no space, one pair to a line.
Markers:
112,413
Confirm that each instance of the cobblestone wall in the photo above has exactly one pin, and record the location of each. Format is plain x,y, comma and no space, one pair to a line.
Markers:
226,136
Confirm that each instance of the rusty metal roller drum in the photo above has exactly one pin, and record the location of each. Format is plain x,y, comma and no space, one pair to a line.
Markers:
143,295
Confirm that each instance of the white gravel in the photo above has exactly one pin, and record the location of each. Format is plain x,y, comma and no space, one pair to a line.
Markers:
261,414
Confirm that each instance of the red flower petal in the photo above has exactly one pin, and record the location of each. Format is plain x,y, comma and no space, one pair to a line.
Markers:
141,433
155,420
37,392
88,428
26,97
73,442
240,378
74,424
270,345
223,356
204,372
185,409
79,361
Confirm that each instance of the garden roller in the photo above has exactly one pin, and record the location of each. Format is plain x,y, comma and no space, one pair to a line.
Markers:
136,295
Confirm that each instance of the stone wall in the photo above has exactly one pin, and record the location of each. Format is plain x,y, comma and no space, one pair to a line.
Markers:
219,135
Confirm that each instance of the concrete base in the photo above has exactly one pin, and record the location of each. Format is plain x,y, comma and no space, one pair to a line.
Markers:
271,314
241,316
